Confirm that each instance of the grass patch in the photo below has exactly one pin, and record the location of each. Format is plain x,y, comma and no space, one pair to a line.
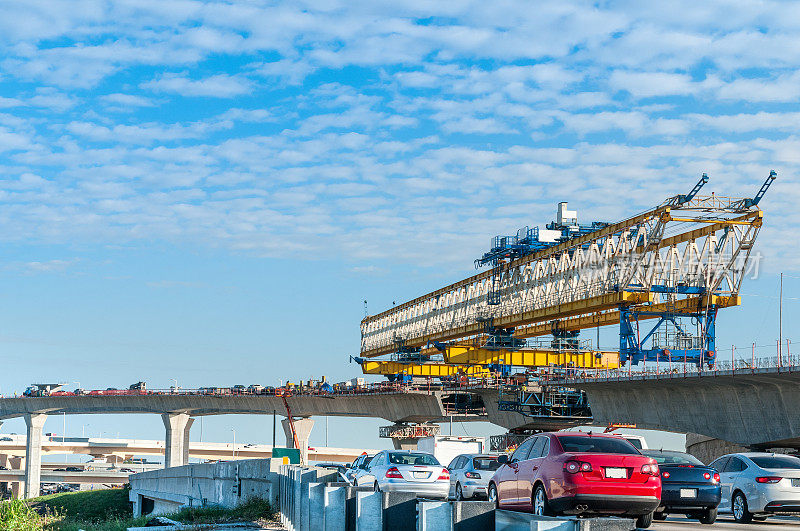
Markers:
251,510
110,510
88,504
16,515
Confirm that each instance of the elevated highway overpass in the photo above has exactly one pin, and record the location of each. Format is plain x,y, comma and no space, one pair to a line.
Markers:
179,409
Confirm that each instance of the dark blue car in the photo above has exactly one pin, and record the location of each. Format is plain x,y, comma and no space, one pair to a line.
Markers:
687,486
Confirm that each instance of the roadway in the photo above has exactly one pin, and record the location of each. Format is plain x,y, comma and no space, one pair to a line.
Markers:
726,523
117,450
95,477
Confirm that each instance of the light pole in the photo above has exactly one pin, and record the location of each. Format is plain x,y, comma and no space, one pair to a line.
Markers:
176,383
83,430
234,443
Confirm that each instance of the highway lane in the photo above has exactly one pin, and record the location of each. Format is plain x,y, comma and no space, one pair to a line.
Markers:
726,522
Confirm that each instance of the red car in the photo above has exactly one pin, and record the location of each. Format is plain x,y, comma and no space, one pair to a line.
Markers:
578,473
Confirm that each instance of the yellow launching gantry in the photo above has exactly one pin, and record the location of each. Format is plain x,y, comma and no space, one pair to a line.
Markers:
676,264
474,361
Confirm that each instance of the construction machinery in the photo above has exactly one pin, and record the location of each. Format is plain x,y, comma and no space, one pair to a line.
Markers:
283,393
678,263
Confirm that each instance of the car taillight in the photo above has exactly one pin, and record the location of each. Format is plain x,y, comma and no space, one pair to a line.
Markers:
393,473
472,475
707,475
573,467
716,478
665,475
768,479
444,475
650,470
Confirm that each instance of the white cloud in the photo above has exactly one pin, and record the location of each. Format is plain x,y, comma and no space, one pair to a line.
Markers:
127,100
216,86
649,84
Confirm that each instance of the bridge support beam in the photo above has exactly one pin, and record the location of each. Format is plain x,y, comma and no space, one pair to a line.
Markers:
176,442
302,428
33,454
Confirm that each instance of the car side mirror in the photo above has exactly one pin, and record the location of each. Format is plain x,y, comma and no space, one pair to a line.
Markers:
503,459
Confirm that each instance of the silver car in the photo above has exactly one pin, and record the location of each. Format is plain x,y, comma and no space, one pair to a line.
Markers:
756,485
357,468
470,475
407,471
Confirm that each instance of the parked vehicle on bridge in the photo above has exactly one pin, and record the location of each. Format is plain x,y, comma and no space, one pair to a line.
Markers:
407,471
687,486
578,473
358,468
756,485
470,475
255,389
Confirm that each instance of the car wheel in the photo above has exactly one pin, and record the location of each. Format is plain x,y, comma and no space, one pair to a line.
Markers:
377,487
739,506
492,495
459,492
660,516
708,516
644,521
541,506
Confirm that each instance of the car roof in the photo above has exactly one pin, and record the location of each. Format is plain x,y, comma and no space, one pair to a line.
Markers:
662,451
584,434
761,454
493,456
406,452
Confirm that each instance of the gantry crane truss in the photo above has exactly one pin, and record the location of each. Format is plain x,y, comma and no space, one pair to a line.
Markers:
686,257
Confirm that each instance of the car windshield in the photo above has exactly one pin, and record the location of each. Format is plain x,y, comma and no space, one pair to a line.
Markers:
673,458
485,463
412,459
596,445
777,461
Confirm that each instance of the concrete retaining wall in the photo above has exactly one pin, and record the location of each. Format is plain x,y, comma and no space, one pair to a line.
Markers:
225,484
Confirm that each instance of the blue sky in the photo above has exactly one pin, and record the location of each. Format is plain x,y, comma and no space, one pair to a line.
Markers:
208,191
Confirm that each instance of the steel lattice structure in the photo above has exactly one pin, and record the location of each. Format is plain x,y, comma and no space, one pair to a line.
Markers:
688,255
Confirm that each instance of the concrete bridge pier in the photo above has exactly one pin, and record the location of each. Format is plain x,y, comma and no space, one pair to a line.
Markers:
17,487
302,428
33,454
176,442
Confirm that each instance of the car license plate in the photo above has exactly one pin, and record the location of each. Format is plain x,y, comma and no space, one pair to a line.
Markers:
795,482
421,475
688,493
617,473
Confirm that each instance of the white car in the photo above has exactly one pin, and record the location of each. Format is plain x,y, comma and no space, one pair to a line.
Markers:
756,485
357,468
470,475
407,471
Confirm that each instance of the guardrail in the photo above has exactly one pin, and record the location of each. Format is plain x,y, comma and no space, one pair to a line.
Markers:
308,503
665,370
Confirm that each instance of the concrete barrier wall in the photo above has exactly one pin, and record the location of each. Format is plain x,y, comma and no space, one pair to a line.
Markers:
225,484
309,499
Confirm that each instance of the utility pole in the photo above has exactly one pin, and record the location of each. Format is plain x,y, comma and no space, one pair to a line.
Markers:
780,323
274,412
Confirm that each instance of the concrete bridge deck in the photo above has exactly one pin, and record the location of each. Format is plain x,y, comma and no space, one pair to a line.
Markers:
407,406
753,407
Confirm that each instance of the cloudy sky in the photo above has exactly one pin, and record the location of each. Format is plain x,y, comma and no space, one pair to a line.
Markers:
182,181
